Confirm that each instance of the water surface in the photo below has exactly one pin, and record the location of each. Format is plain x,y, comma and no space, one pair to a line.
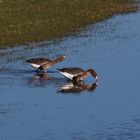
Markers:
33,108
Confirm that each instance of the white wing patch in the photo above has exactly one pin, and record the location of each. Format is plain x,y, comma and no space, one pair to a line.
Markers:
69,76
35,65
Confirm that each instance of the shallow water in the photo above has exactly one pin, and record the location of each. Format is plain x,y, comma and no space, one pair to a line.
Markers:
32,107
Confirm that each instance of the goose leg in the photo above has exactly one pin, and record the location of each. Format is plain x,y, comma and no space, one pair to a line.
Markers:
41,68
77,78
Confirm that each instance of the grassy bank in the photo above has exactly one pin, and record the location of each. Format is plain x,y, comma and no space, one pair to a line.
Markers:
24,21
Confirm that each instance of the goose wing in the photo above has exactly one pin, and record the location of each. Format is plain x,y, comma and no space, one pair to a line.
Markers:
73,71
38,61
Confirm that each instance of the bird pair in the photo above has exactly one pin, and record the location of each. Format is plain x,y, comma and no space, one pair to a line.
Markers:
74,73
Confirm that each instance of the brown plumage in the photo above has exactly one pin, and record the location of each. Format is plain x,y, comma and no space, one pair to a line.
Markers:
44,63
77,74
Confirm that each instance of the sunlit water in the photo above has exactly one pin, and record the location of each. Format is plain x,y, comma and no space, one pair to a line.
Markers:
32,107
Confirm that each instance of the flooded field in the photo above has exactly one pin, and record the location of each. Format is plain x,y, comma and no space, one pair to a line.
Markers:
32,107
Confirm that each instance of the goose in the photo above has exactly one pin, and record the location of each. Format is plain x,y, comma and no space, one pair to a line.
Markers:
77,74
44,63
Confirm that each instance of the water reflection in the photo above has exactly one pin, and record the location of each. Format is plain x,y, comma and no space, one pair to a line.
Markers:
38,79
77,87
43,80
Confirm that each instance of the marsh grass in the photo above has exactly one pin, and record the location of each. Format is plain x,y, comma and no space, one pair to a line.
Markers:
25,21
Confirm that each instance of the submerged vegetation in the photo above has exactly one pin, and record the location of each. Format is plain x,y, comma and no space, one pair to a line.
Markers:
24,21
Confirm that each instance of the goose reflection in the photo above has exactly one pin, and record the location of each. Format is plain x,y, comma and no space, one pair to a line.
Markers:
77,87
38,79
43,80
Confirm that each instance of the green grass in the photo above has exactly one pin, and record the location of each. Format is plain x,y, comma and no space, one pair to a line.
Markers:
25,21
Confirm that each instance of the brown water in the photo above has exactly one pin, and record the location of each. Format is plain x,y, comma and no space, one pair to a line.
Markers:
33,108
